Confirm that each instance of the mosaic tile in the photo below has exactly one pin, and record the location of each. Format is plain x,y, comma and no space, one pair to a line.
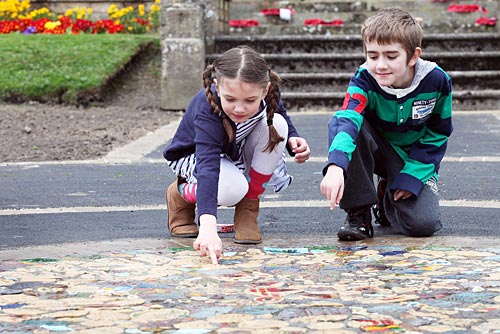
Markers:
320,289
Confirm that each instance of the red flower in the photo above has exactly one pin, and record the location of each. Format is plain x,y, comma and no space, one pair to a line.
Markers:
142,21
466,8
243,23
274,11
487,21
316,22
66,23
109,26
81,25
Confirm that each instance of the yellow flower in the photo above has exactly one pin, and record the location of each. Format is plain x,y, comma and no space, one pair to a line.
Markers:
112,9
51,25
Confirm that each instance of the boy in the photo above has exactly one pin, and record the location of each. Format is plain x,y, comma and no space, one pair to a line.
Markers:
395,123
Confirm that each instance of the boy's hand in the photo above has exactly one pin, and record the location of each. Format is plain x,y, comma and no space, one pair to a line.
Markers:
208,241
401,194
332,185
301,149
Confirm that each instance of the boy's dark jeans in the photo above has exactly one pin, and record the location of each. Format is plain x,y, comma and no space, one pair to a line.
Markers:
418,217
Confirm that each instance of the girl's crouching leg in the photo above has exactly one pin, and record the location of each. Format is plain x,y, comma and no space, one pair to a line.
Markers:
233,185
181,214
245,222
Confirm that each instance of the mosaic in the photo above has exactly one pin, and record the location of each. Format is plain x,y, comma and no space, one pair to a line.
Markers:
376,289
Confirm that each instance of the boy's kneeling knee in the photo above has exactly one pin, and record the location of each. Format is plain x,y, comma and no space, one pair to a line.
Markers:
420,228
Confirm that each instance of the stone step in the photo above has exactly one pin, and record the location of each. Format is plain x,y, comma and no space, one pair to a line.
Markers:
352,43
316,69
347,29
321,62
331,101
338,81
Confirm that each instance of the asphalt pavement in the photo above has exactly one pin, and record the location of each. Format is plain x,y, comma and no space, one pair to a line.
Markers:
84,248
47,203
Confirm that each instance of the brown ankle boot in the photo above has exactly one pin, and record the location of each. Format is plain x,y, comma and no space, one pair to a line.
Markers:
245,222
181,214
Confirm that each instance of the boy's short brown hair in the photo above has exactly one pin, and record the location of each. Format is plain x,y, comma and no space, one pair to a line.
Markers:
393,25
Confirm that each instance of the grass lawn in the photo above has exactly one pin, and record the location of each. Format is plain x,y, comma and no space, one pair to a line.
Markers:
63,68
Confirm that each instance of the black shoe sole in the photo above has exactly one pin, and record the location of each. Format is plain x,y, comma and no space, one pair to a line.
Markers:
347,235
247,242
190,235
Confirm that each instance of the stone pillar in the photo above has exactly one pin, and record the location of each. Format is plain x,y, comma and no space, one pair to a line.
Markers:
210,9
183,54
187,30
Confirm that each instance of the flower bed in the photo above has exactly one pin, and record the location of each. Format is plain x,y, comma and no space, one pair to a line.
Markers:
16,16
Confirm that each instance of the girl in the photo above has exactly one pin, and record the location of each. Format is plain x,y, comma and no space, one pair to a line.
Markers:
229,145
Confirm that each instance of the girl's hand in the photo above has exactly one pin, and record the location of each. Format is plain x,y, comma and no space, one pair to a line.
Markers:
301,149
208,241
332,185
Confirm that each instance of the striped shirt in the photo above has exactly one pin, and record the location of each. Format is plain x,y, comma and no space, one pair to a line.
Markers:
416,121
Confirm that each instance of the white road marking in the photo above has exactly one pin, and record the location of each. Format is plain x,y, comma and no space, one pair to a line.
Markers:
125,161
492,158
263,204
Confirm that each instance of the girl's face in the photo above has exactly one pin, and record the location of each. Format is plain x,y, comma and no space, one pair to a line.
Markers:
240,100
389,65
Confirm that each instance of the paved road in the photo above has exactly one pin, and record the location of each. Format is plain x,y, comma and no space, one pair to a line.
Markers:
84,249
50,203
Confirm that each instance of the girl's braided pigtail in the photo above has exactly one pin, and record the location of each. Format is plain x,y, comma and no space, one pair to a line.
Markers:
272,100
207,83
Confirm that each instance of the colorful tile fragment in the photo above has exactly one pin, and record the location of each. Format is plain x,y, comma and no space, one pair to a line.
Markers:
339,289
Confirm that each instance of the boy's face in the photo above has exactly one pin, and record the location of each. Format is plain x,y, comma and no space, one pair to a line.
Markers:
389,64
240,100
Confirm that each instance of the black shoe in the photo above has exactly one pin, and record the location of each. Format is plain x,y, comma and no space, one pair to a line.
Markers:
357,225
378,209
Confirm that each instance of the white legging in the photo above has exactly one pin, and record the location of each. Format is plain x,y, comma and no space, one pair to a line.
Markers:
233,183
